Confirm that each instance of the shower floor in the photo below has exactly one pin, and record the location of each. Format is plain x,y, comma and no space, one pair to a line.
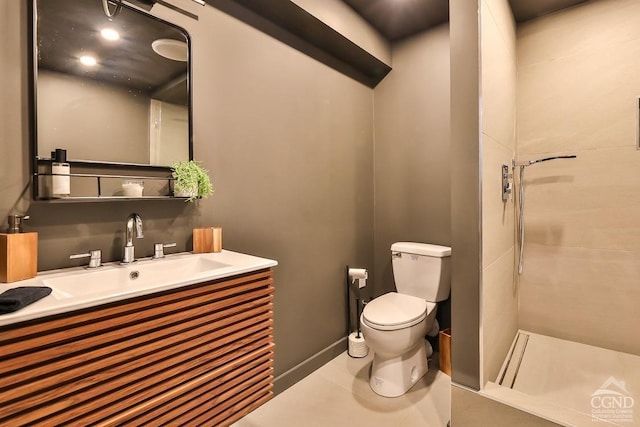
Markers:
569,383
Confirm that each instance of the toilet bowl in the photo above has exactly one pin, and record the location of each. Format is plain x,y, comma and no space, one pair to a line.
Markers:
395,324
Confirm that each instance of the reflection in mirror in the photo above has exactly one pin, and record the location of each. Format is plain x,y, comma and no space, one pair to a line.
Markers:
112,84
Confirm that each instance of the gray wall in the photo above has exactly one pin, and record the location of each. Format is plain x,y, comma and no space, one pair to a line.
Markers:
412,167
342,18
289,143
466,224
14,147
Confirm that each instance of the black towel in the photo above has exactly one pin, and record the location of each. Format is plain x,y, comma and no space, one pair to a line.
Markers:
16,298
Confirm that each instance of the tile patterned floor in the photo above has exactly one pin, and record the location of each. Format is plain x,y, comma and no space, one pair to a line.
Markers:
338,394
471,409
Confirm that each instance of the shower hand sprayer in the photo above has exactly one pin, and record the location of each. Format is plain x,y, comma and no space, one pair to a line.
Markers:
522,164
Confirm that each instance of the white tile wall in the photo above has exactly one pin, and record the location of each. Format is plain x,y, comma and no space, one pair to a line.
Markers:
578,79
498,92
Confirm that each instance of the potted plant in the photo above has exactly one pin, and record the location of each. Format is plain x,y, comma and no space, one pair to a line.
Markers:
191,180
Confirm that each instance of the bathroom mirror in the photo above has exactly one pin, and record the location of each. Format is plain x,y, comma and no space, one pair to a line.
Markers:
111,83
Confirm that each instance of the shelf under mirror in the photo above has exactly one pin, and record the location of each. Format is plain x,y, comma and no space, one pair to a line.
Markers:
91,181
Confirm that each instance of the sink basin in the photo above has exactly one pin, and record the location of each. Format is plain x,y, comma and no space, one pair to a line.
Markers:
123,279
78,288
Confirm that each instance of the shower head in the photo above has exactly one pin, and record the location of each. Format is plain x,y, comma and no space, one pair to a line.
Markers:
524,163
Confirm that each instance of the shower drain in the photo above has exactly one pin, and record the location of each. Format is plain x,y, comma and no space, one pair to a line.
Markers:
510,372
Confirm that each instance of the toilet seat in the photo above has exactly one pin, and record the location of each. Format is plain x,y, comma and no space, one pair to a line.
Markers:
394,311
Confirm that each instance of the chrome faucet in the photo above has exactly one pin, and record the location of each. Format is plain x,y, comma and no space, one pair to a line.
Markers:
129,255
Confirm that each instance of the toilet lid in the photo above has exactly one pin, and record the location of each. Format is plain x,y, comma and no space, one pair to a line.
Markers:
394,311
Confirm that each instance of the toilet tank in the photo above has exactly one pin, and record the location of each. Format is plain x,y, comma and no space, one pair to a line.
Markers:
422,270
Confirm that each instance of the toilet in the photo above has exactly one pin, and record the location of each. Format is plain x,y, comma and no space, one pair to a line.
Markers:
394,325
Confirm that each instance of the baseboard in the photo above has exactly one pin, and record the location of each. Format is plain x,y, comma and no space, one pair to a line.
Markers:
301,370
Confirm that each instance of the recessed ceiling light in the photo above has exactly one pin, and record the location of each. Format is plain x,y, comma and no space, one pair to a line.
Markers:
87,60
110,34
171,49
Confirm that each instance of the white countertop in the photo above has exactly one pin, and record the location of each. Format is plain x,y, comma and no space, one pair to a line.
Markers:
79,287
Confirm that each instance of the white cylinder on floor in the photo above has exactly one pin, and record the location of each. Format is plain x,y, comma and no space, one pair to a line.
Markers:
357,346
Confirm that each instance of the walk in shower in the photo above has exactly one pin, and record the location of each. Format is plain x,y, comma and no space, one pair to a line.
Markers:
569,382
560,286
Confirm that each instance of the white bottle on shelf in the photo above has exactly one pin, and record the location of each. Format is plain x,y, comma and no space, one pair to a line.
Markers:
60,180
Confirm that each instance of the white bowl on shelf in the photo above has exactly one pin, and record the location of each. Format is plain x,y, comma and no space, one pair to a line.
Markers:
132,188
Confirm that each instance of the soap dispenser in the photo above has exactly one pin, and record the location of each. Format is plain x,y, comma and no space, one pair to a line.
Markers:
60,179
18,252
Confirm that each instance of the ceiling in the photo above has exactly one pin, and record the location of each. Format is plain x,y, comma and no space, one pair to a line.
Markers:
397,19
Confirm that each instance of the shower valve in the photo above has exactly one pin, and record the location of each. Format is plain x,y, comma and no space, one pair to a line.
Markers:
506,183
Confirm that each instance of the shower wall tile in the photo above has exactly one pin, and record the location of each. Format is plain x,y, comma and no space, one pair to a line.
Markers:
580,294
499,317
577,78
499,309
498,125
579,102
497,215
593,26
498,74
504,21
577,93
592,201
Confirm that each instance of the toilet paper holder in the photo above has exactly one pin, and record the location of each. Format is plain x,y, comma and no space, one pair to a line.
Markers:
357,345
359,274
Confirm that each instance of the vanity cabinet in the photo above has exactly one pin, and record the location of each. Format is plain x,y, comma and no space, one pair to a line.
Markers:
197,355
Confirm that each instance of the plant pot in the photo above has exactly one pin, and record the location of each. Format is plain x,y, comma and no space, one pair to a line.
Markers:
189,192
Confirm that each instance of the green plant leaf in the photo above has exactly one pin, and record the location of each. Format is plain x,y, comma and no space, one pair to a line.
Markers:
190,175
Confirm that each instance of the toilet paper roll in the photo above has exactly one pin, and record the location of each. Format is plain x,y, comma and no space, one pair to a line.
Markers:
357,346
358,273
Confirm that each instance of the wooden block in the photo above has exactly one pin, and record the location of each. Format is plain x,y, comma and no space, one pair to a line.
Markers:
202,240
18,256
217,239
444,342
207,239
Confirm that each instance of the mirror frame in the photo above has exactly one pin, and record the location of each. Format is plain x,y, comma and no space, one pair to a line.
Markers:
33,102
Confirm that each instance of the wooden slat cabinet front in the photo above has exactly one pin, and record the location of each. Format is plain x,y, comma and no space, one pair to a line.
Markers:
198,355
